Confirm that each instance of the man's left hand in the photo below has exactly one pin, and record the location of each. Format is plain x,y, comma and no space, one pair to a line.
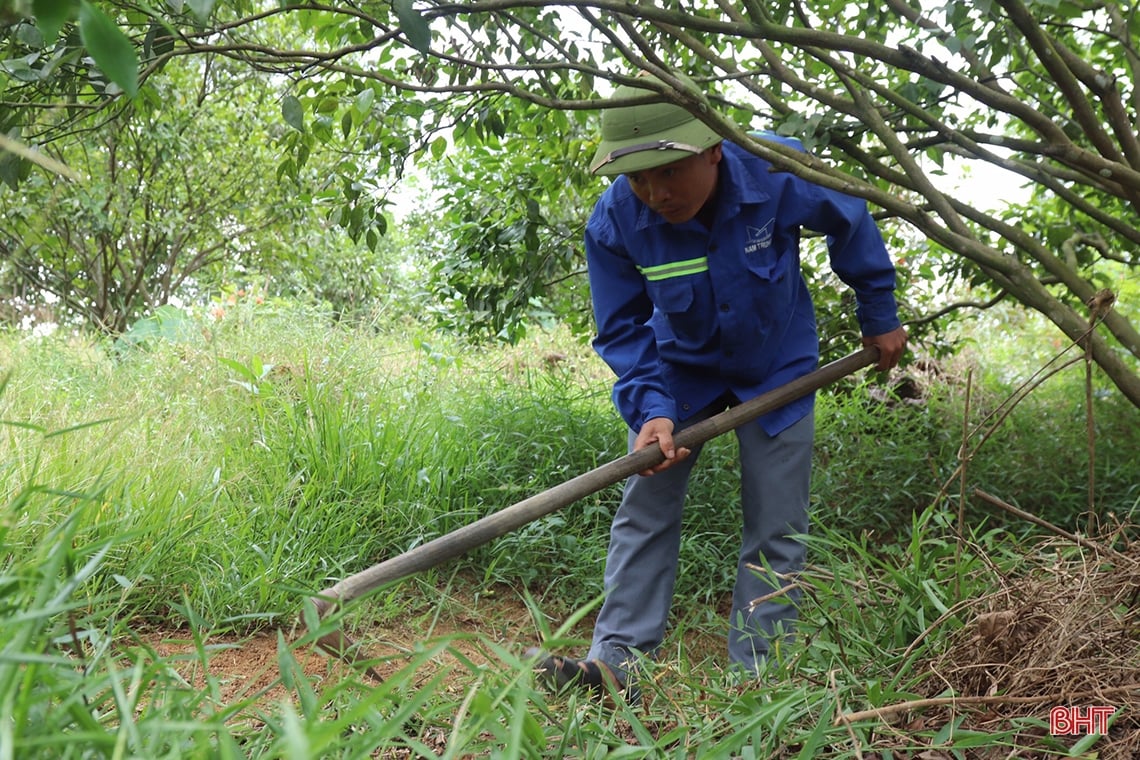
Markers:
891,346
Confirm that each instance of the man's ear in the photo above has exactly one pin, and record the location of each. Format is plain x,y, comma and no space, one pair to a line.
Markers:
715,153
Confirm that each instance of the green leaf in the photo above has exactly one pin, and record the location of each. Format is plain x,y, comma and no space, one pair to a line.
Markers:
363,103
158,41
201,9
1082,747
20,71
112,50
293,113
10,169
965,738
30,36
51,15
414,26
438,147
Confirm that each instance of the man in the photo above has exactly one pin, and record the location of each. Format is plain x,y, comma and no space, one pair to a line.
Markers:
693,256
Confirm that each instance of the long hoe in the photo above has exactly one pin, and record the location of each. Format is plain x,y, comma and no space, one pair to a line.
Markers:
486,529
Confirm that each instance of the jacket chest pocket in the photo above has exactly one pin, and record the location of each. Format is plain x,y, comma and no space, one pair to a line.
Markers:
677,300
772,288
766,265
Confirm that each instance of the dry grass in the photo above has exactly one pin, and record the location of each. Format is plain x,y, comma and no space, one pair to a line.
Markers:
1062,631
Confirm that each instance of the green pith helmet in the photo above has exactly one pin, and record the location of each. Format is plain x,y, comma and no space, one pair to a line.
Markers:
649,135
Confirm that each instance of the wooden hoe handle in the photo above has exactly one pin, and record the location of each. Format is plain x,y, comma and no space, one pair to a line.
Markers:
486,529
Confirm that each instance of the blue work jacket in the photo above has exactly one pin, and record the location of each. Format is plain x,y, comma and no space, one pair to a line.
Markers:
685,313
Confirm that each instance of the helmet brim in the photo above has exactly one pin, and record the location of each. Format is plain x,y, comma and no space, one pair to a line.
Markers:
648,151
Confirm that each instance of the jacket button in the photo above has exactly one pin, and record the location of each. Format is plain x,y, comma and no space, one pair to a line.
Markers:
685,407
724,307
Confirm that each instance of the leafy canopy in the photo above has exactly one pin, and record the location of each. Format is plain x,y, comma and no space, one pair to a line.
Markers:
890,97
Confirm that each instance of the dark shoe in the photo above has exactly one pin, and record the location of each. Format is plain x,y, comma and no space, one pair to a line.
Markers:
592,676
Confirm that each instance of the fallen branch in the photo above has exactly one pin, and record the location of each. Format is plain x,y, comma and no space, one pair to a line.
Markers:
772,595
843,718
1088,544
919,704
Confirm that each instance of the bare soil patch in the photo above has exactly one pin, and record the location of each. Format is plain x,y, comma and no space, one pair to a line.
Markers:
245,666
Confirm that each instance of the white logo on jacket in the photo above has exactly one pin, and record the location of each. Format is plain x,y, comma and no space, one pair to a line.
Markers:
760,237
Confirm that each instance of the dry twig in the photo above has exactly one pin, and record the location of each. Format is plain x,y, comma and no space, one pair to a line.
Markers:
921,704
1089,544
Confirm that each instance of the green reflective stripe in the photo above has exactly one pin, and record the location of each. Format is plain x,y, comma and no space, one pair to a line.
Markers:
676,269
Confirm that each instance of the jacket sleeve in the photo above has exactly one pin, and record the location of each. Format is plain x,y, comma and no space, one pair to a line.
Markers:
625,340
858,256
855,247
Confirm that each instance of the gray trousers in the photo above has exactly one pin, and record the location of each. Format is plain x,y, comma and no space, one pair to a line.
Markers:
645,539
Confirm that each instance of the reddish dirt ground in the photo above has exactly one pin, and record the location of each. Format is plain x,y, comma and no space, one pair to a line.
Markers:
246,666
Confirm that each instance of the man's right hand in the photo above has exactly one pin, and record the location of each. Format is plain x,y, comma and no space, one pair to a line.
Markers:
659,430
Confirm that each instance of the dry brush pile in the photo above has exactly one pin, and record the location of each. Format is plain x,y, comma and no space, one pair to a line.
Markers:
1060,632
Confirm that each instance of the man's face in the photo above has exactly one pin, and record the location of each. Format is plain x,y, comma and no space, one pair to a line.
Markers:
678,190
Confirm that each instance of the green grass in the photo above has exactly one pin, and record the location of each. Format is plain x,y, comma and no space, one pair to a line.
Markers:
211,483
